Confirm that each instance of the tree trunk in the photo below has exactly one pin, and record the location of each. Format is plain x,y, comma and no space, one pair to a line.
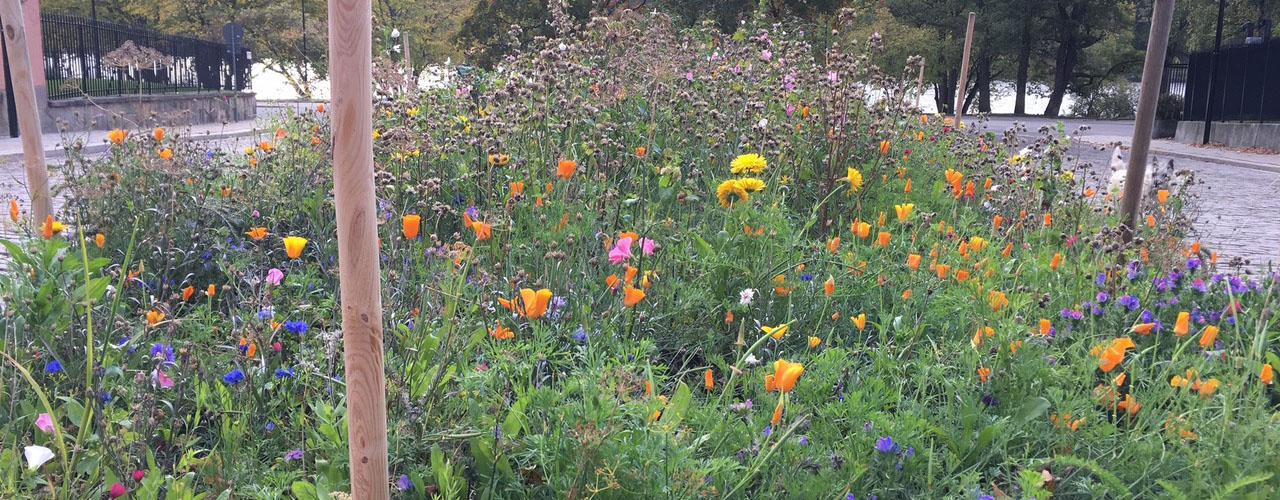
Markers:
944,92
984,84
1064,66
1024,66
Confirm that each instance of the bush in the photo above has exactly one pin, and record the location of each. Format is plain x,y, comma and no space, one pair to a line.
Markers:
1112,101
1169,107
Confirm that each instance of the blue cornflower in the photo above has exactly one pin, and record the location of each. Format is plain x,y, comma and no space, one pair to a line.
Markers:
1101,279
123,340
296,326
1193,262
271,426
234,376
104,396
164,351
885,444
806,277
580,335
403,483
266,312
284,372
803,440
52,366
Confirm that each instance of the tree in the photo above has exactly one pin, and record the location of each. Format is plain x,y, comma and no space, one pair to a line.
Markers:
1076,25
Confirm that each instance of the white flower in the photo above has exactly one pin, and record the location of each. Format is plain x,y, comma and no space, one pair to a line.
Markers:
764,122
37,456
746,296
395,33
562,47
751,360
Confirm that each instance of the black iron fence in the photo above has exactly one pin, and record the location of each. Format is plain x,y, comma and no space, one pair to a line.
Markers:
1174,80
1246,83
83,57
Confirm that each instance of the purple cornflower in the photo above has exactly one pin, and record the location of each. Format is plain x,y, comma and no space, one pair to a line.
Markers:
295,454
403,483
1102,297
1129,301
1193,262
1101,279
163,352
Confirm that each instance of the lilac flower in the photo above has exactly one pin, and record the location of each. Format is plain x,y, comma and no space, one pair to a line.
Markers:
1101,279
1071,314
803,440
1193,262
1129,301
768,429
403,483
295,454
1102,297
885,444
473,212
271,426
266,312
580,335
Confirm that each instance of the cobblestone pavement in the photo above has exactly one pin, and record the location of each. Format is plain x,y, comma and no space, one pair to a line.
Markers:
1237,207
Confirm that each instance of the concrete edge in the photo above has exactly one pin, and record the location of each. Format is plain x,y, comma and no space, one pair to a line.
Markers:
59,152
1207,158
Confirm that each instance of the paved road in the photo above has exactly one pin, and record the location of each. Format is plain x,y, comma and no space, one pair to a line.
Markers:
1236,207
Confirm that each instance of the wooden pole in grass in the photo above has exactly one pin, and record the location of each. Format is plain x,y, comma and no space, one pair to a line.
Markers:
24,99
920,83
350,50
964,69
1152,72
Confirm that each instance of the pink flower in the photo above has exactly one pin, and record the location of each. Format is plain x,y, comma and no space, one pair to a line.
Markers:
621,251
45,422
117,491
274,276
138,474
160,378
646,246
275,346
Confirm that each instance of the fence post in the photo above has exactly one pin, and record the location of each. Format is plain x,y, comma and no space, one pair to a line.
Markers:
24,97
1152,67
351,48
964,69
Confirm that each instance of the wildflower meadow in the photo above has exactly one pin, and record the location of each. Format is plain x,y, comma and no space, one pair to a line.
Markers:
639,262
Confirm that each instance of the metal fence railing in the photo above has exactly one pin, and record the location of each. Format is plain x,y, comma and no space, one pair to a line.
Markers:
83,57
1246,83
1174,81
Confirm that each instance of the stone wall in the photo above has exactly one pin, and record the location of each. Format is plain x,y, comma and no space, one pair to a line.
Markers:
140,111
1232,134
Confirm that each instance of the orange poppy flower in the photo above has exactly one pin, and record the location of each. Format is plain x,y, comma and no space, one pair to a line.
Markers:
997,300
483,230
257,233
1180,326
983,373
1057,259
884,148
882,239
566,168
187,292
1162,195
1048,219
913,261
640,151
211,290
906,294
1008,248
862,229
943,269
13,209
786,374
1143,328
1268,374
770,382
1209,336
833,244
99,239
501,332
860,321
829,286
708,380
1045,325
611,280
907,188
632,295
117,136
410,225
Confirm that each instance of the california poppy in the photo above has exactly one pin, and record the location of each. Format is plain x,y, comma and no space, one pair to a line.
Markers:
154,316
1057,259
1045,326
913,260
776,331
99,239
117,136
187,292
786,373
983,373
861,228
165,153
943,269
903,210
51,227
1143,328
860,321
257,233
1180,326
13,209
501,332
708,380
293,246
814,342
517,189
632,295
1113,354
882,239
640,150
833,244
1209,336
829,286
1267,375
884,148
532,304
566,168
1162,195
158,133
410,225
483,230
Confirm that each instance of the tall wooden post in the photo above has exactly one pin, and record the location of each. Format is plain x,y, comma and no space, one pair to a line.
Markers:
1152,72
964,68
351,49
24,99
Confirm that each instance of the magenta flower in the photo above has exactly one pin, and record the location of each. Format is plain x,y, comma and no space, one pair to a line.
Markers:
274,276
646,245
45,422
161,379
621,251
117,491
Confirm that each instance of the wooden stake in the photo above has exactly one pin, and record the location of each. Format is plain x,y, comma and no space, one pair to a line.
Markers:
920,83
964,69
1152,72
24,99
350,48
